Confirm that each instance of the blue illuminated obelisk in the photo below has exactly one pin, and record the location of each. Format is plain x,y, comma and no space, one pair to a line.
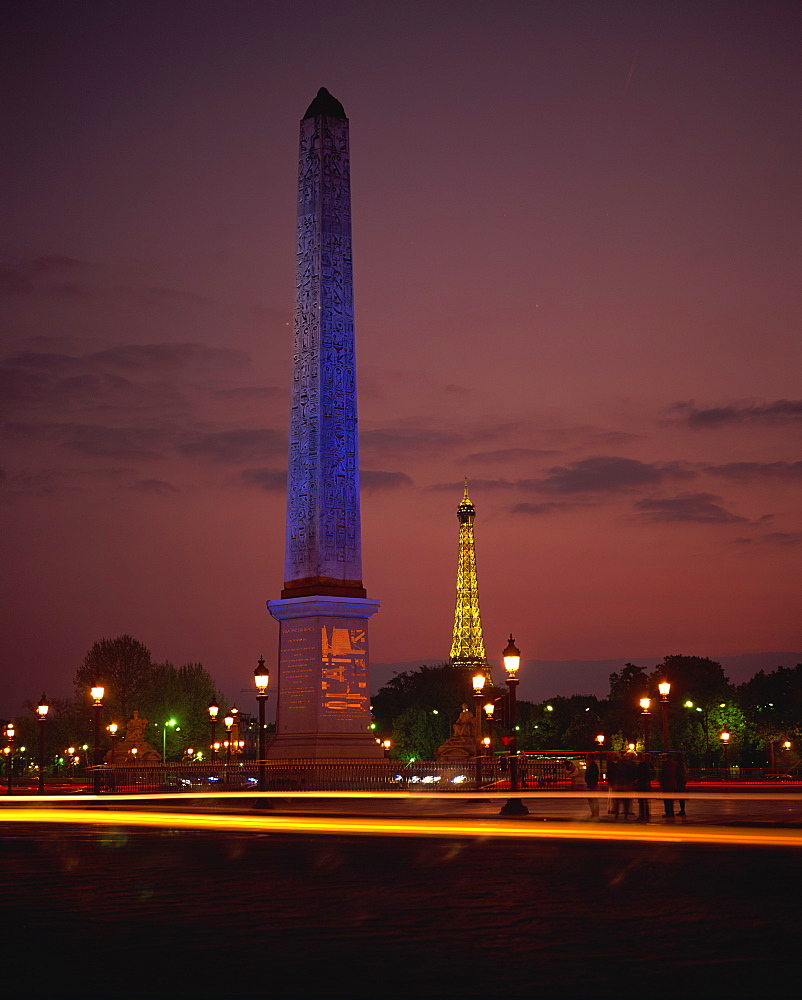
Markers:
323,696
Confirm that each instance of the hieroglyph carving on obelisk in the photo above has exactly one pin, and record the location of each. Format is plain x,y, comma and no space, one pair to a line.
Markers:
323,520
323,702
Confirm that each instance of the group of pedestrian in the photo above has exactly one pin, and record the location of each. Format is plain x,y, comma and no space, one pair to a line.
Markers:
630,772
627,772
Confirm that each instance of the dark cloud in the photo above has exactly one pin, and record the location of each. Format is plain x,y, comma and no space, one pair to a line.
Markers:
156,294
605,474
751,471
547,507
272,480
69,290
779,412
169,356
246,393
14,283
130,443
778,538
56,263
157,486
48,362
151,378
477,484
39,483
16,279
236,446
394,441
374,480
511,455
613,438
696,508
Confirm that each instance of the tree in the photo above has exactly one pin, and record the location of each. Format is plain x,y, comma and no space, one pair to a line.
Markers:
417,733
181,693
441,689
630,685
561,723
701,704
692,678
772,704
123,666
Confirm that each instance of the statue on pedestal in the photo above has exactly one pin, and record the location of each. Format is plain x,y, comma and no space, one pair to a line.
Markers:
134,749
463,743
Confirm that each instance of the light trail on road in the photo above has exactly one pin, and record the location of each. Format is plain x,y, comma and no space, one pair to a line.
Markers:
406,796
518,829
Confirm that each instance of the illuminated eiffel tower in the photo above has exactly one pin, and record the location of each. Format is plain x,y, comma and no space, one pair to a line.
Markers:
468,646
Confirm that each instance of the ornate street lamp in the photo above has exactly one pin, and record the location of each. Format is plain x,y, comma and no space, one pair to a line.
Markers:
228,722
41,710
664,688
214,708
113,728
512,661
489,709
261,678
386,744
645,704
724,736
478,681
8,750
97,691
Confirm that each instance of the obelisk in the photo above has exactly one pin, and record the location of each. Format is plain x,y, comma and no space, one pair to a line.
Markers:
323,708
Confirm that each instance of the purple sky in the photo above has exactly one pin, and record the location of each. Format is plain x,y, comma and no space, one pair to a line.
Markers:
577,257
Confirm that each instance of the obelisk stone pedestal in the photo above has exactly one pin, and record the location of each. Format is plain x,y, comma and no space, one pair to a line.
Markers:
324,698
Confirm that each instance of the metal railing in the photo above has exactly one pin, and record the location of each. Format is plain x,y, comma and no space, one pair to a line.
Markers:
534,774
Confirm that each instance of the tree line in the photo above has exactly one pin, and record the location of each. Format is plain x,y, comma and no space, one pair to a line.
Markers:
132,680
416,710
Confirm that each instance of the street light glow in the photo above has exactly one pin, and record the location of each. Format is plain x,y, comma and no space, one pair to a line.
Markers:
511,657
261,677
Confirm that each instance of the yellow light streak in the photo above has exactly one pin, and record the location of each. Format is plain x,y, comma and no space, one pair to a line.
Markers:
520,829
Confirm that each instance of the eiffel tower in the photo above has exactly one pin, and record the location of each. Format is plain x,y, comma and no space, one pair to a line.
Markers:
468,646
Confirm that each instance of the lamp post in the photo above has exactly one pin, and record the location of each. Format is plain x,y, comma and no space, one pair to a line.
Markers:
664,688
172,723
261,678
490,708
97,691
41,710
228,722
644,704
112,728
724,736
214,708
478,681
512,661
8,750
600,742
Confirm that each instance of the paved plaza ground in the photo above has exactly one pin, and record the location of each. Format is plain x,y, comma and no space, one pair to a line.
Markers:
118,910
